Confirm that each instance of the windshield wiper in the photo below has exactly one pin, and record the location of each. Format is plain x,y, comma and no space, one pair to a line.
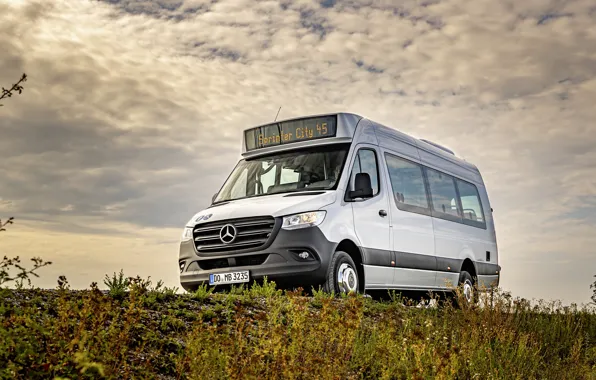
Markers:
302,193
295,191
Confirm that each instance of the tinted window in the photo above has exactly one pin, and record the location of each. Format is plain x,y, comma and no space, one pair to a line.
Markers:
442,191
407,182
289,176
366,162
470,201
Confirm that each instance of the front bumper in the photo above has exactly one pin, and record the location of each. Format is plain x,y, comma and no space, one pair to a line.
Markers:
281,261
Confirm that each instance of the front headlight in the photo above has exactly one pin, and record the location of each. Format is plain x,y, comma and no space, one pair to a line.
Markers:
187,233
307,219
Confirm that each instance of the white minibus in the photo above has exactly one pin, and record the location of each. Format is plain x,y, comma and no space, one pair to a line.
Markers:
345,203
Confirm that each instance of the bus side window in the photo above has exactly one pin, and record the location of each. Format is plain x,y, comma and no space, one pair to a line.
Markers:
470,201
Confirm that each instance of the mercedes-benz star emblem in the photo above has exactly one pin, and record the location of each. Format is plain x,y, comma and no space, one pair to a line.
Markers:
227,234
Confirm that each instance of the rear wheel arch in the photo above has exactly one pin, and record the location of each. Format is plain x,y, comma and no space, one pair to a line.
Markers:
468,266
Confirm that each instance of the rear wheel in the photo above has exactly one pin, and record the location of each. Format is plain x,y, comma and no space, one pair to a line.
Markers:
466,283
342,275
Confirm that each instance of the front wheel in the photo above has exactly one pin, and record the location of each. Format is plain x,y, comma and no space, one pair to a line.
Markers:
342,275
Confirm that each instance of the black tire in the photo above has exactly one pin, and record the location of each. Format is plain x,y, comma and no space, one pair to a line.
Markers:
342,262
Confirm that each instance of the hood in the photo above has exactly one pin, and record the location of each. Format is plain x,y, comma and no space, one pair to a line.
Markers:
269,205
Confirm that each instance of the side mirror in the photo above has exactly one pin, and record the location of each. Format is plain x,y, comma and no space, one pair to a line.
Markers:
362,187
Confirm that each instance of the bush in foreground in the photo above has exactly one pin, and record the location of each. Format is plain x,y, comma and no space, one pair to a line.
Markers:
264,333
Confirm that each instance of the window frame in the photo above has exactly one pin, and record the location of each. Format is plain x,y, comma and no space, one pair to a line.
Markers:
406,207
473,223
349,185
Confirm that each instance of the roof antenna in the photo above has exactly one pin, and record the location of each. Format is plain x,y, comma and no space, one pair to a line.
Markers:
277,114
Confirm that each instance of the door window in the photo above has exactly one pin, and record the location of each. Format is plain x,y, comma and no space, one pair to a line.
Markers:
366,162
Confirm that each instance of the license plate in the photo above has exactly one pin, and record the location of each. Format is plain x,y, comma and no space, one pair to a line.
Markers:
228,278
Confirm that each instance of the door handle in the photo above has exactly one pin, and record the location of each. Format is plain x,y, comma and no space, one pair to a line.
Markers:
383,213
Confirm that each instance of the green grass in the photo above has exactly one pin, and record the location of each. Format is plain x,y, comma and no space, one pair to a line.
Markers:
264,333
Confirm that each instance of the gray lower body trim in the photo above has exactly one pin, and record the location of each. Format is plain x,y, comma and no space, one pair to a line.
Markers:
487,269
379,257
407,260
403,287
485,282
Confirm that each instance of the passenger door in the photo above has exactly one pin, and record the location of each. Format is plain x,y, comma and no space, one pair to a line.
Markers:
411,225
371,227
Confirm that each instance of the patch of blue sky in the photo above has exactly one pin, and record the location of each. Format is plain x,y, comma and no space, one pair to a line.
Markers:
167,9
547,17
314,22
370,68
586,213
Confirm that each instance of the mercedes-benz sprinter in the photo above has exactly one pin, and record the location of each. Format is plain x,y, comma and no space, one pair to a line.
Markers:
346,203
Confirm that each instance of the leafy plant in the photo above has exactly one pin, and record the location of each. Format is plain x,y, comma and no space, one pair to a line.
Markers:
202,293
23,274
117,284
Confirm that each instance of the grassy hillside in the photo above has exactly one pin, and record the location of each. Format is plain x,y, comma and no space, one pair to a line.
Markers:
263,333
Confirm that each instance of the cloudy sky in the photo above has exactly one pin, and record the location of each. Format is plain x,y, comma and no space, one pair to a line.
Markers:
133,112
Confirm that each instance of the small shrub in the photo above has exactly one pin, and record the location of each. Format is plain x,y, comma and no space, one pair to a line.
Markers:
202,293
266,289
117,285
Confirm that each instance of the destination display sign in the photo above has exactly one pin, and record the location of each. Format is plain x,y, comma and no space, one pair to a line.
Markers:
288,132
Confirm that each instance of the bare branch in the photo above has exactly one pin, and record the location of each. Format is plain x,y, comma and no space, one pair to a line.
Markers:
2,225
16,88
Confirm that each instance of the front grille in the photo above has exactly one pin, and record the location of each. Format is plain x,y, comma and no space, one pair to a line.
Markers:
242,261
251,233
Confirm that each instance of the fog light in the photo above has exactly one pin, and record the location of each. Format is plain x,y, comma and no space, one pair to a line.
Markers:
182,266
303,255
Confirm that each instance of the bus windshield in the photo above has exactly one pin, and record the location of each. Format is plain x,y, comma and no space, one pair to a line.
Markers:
300,170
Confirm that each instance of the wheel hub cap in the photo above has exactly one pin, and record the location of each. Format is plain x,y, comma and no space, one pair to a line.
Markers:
468,291
347,278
